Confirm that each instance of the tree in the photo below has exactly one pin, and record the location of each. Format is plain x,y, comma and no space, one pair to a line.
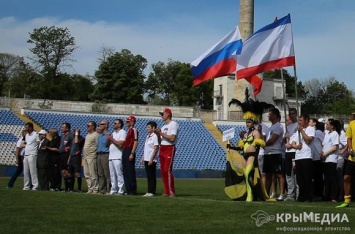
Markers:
104,53
8,64
25,80
120,79
327,96
53,47
171,84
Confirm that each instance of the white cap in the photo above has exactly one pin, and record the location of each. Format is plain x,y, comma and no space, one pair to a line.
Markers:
42,132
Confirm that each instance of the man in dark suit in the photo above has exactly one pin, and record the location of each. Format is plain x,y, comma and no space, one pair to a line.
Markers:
55,177
42,161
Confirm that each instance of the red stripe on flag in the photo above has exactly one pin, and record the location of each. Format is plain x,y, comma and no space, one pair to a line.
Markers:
222,68
271,65
257,82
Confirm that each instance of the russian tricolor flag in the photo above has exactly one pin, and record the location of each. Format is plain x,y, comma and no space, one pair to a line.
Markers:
267,49
219,60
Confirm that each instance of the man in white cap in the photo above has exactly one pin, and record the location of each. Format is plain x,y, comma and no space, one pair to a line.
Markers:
43,161
168,134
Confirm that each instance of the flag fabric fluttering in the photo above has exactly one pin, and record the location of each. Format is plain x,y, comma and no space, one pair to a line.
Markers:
267,49
219,60
256,81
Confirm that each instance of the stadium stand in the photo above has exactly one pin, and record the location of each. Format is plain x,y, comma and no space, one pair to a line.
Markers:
10,130
196,148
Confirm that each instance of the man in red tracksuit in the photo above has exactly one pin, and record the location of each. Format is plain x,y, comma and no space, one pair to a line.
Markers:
168,134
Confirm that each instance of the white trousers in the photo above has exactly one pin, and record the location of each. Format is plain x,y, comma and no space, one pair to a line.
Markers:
30,178
90,173
116,175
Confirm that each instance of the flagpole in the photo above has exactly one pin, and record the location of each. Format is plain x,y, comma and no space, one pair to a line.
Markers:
284,96
297,105
296,92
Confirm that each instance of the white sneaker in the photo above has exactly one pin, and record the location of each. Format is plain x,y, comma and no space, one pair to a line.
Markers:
26,188
280,198
148,195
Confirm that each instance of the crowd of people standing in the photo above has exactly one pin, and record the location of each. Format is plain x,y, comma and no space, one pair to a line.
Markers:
310,159
108,159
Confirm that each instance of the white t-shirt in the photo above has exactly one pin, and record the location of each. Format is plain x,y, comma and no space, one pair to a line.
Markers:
317,145
343,141
264,133
170,129
115,152
291,129
150,141
275,148
306,151
21,151
331,139
32,141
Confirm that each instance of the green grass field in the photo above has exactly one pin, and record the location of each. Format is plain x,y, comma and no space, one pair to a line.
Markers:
200,207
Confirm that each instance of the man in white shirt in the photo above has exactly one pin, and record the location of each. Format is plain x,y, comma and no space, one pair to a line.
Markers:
290,155
168,134
303,158
117,139
30,158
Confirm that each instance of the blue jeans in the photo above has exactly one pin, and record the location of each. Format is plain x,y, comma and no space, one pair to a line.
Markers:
19,170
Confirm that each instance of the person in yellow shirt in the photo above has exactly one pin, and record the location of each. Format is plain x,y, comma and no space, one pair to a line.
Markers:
349,168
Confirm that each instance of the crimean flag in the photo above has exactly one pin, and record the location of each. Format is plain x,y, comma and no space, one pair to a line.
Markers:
219,60
269,48
257,82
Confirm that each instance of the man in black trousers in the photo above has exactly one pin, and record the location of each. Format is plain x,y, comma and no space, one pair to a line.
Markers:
42,161
55,178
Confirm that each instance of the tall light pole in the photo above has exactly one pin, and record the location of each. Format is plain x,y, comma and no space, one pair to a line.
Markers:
246,27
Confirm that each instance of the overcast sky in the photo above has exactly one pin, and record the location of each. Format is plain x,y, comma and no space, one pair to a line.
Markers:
323,30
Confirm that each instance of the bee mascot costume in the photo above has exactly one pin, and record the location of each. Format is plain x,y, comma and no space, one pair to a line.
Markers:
242,181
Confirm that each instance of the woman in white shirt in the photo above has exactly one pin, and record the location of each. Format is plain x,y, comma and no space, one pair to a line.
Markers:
316,148
151,147
330,157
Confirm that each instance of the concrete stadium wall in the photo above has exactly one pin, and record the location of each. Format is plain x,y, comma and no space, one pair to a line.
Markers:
16,104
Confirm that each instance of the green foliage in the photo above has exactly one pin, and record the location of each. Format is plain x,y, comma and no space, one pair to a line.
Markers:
327,96
171,84
52,48
27,81
120,79
8,64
